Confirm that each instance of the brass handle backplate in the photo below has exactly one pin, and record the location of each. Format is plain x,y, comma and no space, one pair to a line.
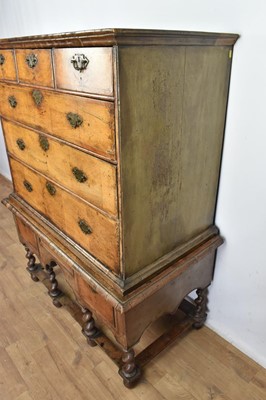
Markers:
44,142
84,227
28,186
37,97
80,62
2,59
32,60
51,189
12,101
21,144
79,175
75,120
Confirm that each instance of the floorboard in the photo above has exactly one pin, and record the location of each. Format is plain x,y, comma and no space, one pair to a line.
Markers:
44,356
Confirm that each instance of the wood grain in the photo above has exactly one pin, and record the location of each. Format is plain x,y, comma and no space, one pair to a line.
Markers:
8,68
58,161
41,74
44,355
171,143
65,211
96,133
97,78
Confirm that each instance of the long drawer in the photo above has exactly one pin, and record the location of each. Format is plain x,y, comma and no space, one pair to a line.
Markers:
89,177
92,230
86,122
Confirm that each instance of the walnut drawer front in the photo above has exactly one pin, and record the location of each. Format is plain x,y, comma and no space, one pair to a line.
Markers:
35,67
85,122
92,230
7,65
89,177
85,70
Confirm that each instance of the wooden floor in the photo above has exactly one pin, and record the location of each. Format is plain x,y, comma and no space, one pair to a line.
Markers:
43,355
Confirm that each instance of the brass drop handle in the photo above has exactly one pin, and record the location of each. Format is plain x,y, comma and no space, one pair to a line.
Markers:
79,62
75,120
32,60
28,185
44,143
84,227
37,97
12,101
2,59
79,175
21,144
50,188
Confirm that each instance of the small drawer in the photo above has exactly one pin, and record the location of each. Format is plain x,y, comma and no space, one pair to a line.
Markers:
85,70
26,235
7,65
92,230
91,178
98,303
86,122
35,67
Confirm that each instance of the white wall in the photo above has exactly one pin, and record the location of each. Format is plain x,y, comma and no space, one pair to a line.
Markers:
237,297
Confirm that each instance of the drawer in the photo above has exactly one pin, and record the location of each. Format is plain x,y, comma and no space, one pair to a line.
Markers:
85,70
7,65
97,302
95,232
35,67
85,122
26,235
85,175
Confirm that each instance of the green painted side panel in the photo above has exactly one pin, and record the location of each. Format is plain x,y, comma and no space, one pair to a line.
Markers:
172,113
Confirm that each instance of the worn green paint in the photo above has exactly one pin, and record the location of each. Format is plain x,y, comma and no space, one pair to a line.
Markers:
172,113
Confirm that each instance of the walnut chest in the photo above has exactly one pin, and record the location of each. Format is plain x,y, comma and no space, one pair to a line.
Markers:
114,139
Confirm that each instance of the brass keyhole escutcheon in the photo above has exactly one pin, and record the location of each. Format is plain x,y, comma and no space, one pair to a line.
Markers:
79,175
12,101
31,60
21,144
27,185
44,143
80,62
75,120
84,227
50,188
37,97
2,59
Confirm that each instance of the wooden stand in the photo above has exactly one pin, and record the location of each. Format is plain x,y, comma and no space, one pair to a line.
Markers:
130,365
125,311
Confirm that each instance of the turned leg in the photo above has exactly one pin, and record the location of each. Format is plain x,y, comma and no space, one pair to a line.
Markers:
89,329
201,308
129,371
54,292
31,265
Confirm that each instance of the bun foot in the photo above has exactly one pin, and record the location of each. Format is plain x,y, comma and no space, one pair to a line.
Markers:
57,303
130,371
34,278
200,315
